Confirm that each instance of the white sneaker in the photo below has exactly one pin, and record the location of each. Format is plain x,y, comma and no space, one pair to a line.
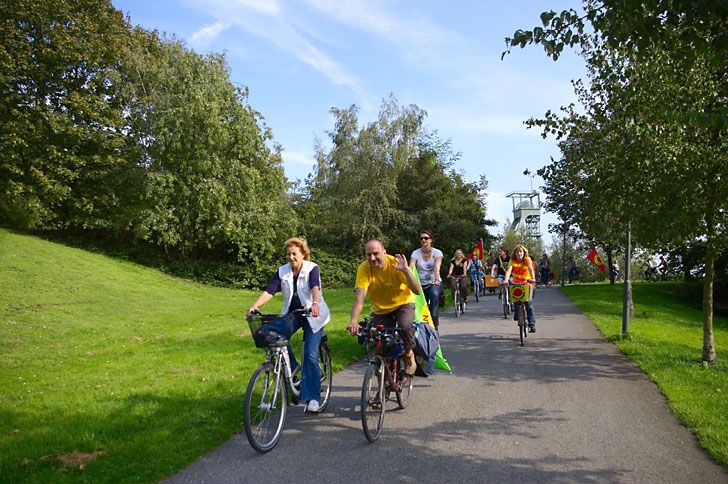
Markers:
312,407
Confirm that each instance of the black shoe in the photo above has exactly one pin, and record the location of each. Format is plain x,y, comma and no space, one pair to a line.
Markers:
532,329
500,296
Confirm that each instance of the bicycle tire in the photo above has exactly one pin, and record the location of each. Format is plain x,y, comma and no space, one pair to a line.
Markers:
457,303
327,375
404,384
372,401
522,329
264,408
476,290
506,303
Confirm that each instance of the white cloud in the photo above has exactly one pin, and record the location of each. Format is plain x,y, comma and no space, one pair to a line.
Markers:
207,34
272,22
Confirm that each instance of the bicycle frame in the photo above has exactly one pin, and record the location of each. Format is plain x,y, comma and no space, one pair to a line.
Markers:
278,356
378,358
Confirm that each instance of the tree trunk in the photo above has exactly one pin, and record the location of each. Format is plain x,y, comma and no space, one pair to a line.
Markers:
708,343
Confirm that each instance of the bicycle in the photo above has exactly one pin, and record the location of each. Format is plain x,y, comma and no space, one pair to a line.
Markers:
506,301
520,294
266,398
575,278
384,374
458,298
542,278
477,286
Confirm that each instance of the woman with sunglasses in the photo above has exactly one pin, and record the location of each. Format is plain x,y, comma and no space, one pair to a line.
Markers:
428,260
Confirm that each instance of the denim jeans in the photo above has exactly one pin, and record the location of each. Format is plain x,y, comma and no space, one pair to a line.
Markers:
310,374
432,296
529,313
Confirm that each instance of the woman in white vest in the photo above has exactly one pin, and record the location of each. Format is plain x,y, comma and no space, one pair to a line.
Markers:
300,283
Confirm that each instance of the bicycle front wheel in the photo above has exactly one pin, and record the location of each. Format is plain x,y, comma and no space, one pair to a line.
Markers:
372,402
476,290
506,304
522,329
456,300
265,408
326,374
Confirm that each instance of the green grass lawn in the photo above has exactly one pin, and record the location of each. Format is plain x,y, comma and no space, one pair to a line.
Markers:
112,372
665,340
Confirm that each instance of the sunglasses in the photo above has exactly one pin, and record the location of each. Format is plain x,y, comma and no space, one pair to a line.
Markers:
424,238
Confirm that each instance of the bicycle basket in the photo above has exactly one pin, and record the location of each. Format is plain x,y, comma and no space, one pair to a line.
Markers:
520,292
267,329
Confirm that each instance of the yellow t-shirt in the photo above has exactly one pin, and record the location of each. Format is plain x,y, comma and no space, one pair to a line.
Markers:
387,288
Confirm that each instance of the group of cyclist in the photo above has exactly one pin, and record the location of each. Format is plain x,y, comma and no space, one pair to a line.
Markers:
391,286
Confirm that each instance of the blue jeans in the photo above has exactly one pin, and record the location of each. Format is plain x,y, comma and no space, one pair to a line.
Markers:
432,296
310,374
529,313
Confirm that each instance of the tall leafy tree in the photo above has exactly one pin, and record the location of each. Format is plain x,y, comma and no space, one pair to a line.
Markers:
390,179
59,114
212,184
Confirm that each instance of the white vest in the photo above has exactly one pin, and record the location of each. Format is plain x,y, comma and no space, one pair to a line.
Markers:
285,273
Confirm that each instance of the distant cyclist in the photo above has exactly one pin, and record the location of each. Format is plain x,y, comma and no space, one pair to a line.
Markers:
500,267
457,271
475,269
544,266
521,266
573,269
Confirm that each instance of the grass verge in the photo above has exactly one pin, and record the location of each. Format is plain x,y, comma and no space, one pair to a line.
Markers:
665,339
112,372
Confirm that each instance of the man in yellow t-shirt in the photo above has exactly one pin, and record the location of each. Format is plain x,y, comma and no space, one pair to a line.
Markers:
392,288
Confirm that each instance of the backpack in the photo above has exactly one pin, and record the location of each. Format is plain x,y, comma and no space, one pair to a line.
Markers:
427,343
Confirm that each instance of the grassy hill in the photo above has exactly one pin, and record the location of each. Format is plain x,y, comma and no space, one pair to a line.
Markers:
113,372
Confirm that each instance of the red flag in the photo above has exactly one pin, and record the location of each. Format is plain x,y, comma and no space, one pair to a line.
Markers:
479,249
596,260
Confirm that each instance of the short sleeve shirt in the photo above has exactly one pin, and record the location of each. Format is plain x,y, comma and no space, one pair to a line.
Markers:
458,268
387,288
426,268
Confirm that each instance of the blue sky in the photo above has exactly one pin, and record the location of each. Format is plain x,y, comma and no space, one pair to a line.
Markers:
300,58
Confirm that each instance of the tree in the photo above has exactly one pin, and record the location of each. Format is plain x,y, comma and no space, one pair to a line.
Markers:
660,82
390,179
212,186
59,115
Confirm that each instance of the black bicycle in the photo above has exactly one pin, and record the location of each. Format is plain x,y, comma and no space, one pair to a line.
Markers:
458,298
478,286
385,374
273,382
506,301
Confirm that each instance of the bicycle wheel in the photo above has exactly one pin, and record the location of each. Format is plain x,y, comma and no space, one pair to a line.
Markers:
506,303
372,401
522,329
404,384
264,408
326,374
476,289
456,300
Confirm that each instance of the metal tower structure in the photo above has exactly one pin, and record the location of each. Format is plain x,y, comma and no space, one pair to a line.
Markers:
526,212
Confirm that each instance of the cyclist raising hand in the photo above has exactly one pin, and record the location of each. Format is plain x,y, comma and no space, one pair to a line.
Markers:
521,266
391,287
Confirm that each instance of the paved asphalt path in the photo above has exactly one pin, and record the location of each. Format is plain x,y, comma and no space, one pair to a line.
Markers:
566,408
